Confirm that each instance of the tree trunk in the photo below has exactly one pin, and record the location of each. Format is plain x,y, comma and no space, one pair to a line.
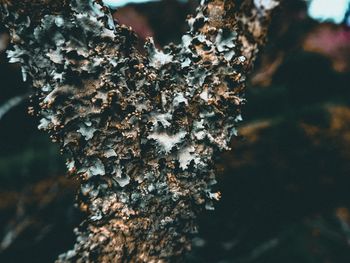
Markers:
141,130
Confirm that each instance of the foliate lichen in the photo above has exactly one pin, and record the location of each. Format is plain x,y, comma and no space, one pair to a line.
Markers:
141,130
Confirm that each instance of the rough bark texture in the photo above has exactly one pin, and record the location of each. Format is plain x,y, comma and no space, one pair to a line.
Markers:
141,130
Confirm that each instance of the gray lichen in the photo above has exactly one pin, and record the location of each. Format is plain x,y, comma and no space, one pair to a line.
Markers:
141,130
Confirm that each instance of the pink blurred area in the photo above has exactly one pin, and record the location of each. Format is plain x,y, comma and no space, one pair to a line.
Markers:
332,41
139,23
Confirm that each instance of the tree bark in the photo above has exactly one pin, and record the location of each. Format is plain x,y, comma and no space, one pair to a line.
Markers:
141,131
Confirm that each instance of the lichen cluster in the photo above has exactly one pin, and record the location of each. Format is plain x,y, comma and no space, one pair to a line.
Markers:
141,131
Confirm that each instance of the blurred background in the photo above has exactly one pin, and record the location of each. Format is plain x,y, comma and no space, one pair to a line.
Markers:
286,183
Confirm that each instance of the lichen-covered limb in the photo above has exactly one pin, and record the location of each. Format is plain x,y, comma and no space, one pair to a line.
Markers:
141,130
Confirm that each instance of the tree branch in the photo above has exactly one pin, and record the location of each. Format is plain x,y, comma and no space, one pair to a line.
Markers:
141,130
